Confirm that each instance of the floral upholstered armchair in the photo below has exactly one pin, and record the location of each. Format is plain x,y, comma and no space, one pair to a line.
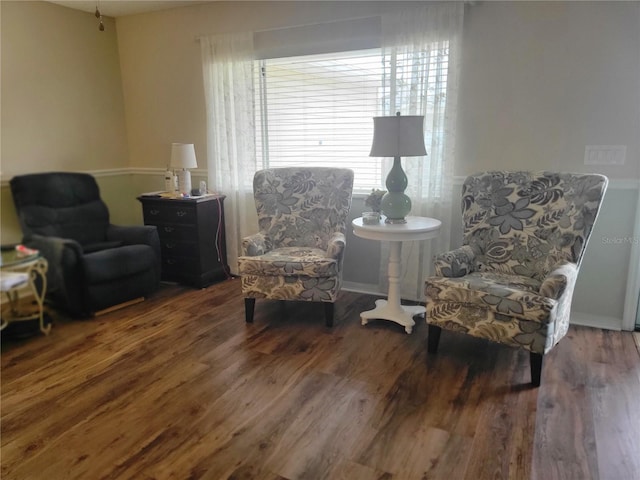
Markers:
512,280
297,253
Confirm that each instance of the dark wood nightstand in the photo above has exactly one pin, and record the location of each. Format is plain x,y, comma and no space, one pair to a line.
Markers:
192,237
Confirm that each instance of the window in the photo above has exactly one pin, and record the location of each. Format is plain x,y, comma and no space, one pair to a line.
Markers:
318,109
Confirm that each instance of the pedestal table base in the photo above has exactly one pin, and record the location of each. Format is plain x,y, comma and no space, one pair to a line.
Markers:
401,314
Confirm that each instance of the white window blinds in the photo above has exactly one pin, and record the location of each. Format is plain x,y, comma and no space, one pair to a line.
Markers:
319,109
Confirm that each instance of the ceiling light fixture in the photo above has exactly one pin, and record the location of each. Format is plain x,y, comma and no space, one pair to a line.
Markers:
99,16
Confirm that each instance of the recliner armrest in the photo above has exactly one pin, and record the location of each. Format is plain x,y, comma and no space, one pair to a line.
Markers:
137,235
255,245
134,234
53,248
336,245
64,257
555,283
455,263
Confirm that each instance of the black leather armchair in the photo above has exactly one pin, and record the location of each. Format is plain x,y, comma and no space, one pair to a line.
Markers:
93,264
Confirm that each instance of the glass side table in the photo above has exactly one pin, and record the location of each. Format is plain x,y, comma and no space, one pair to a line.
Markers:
35,267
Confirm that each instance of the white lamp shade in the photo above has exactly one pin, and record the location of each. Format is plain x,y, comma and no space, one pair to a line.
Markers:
183,155
398,136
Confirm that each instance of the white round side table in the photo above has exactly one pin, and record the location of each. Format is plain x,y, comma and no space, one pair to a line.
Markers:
416,228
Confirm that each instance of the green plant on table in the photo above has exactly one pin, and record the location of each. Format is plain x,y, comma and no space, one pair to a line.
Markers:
374,199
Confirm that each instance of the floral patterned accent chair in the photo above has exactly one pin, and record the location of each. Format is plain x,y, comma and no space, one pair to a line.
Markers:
298,252
512,280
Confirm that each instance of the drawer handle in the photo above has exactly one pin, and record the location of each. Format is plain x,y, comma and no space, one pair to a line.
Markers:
154,212
169,229
181,213
169,245
171,261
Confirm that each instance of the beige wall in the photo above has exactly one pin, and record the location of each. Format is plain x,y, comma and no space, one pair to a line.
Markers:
62,105
541,80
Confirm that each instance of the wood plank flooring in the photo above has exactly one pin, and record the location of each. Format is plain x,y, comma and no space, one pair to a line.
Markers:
179,387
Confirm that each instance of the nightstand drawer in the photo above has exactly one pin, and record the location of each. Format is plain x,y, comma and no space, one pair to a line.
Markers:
177,264
171,247
181,214
176,232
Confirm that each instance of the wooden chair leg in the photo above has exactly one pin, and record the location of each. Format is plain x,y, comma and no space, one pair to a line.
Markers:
249,306
535,360
328,314
433,338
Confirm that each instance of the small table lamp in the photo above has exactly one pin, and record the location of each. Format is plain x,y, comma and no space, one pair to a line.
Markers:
398,136
183,156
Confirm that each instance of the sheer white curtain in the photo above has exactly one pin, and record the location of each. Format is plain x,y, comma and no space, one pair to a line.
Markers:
422,49
227,67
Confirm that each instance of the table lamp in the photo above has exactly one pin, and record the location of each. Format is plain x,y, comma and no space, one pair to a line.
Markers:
397,136
183,157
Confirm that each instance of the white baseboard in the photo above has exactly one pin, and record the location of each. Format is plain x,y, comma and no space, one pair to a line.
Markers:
596,321
577,318
366,288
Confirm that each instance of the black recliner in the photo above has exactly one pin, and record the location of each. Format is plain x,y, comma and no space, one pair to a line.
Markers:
93,265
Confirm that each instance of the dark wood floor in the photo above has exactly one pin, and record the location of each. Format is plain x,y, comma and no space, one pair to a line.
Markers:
180,387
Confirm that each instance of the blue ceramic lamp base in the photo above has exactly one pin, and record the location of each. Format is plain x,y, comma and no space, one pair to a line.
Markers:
395,204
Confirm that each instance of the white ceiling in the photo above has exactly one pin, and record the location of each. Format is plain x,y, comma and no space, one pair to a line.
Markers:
120,8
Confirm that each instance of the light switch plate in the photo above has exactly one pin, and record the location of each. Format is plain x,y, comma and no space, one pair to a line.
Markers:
605,154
